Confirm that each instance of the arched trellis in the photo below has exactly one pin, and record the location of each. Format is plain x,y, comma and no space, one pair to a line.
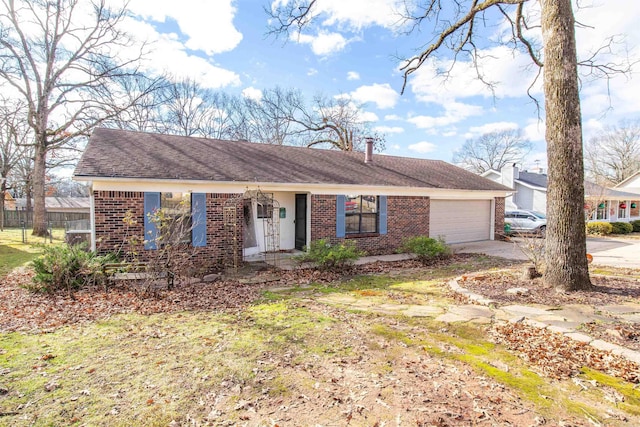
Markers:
234,212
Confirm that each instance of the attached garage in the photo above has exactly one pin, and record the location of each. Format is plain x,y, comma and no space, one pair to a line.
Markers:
460,221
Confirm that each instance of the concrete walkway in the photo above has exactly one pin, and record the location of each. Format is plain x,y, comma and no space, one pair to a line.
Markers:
565,320
612,252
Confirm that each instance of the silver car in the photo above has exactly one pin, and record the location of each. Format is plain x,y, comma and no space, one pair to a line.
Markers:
525,221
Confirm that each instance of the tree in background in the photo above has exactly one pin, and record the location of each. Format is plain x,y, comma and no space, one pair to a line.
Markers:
339,123
14,137
614,154
279,116
269,118
144,98
186,107
493,150
336,122
456,31
62,58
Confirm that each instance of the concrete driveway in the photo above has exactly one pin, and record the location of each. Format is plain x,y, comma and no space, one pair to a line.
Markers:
614,252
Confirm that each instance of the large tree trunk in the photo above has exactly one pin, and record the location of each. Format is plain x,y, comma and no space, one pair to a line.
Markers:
566,249
38,182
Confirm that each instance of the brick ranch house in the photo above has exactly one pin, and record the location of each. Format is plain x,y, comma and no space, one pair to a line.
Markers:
274,198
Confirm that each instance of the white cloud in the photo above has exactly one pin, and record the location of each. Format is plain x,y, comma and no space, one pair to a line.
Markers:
380,94
508,71
388,129
168,54
207,25
367,116
391,117
423,147
323,44
454,112
395,147
602,20
534,130
353,75
513,73
475,131
355,14
429,122
312,72
252,93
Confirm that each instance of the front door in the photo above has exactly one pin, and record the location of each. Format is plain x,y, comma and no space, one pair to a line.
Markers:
301,221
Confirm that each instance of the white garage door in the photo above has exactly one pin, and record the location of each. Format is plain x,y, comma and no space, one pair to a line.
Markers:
460,220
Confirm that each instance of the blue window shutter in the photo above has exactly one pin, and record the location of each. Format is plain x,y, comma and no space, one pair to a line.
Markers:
341,202
151,205
382,200
199,219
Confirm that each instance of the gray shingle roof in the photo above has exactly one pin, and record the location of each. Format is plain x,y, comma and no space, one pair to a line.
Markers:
536,179
591,189
125,154
594,190
58,202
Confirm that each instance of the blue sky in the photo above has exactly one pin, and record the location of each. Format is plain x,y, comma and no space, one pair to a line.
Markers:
354,49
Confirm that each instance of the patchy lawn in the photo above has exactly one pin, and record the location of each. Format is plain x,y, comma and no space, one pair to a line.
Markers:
14,253
229,353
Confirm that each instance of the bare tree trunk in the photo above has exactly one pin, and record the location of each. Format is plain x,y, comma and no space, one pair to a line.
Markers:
3,189
566,249
38,182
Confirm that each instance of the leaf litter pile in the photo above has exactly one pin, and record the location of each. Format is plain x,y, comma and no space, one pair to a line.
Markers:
607,290
21,310
364,380
557,356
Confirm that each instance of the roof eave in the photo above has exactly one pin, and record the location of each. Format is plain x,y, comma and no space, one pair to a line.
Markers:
303,187
529,185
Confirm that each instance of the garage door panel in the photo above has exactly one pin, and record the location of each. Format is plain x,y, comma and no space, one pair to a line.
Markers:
459,221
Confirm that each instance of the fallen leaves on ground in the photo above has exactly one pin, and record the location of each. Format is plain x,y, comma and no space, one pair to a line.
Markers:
21,310
560,357
607,290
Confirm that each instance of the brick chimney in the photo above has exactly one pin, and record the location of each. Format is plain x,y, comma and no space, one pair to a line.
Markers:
368,153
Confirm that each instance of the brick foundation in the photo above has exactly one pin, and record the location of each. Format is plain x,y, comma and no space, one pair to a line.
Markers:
407,216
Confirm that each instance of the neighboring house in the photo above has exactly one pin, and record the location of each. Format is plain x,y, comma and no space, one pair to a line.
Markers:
59,204
530,187
253,198
9,201
631,184
601,203
60,211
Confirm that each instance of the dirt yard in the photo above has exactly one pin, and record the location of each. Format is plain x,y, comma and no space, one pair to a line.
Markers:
270,353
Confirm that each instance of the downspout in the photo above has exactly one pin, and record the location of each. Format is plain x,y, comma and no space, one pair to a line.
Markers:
92,218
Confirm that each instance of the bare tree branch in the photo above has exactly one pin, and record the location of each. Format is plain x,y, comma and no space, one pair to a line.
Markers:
493,150
63,67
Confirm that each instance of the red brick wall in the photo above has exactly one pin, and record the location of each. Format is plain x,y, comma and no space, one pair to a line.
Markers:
635,211
407,216
112,234
499,219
